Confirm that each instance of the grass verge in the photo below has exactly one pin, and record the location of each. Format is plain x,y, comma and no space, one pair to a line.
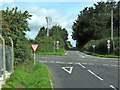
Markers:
106,56
29,75
51,53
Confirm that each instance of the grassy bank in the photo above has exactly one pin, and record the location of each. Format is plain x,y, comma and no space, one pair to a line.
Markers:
51,53
106,56
29,75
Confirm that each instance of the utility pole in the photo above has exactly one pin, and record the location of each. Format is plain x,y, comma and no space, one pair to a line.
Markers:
112,23
48,20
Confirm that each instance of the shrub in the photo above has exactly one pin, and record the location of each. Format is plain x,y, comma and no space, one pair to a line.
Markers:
101,46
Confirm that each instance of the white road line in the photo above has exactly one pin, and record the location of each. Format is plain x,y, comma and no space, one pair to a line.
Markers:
114,65
76,63
52,61
95,75
45,61
82,65
113,87
105,64
83,56
65,54
69,71
62,62
90,63
57,62
70,63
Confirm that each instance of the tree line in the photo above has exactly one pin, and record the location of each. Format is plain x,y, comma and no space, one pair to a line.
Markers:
15,23
94,23
57,33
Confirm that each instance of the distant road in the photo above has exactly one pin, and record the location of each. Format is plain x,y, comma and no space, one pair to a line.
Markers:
79,70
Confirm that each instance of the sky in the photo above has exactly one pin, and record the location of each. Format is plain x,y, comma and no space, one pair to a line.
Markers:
62,12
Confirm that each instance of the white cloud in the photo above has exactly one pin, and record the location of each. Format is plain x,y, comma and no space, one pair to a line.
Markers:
38,20
2,2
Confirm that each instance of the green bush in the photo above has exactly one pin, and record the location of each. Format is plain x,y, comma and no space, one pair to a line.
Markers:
101,46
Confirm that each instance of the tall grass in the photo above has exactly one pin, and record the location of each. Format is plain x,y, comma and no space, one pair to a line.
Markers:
28,75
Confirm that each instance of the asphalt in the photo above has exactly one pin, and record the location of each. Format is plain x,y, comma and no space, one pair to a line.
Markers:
88,71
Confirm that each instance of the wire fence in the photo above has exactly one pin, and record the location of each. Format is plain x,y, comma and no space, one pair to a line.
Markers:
6,64
1,58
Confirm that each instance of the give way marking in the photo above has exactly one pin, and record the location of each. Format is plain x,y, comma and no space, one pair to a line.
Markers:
68,69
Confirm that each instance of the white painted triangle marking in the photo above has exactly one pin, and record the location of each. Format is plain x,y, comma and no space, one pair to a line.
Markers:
65,68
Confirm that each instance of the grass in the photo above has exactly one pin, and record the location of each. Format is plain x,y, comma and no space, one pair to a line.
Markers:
29,75
51,53
106,56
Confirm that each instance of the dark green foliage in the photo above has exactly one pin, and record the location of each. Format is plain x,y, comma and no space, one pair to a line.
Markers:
46,44
95,23
14,23
42,32
101,46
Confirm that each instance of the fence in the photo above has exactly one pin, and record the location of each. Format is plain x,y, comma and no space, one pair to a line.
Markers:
6,59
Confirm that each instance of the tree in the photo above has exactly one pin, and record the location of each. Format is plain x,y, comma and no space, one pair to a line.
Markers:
93,23
14,23
42,32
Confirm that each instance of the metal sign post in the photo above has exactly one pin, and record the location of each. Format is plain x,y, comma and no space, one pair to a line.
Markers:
108,50
54,45
34,47
4,61
57,47
34,58
93,48
12,55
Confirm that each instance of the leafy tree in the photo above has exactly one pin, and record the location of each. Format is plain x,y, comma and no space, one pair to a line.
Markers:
14,23
56,33
94,23
42,32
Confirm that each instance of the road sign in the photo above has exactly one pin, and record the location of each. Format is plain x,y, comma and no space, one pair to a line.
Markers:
108,41
66,69
57,45
93,46
57,42
108,45
34,47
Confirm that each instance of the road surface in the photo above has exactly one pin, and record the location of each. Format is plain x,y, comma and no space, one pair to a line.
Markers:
79,70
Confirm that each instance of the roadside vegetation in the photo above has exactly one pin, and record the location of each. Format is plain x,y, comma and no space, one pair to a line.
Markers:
46,44
15,24
101,46
98,55
93,27
28,75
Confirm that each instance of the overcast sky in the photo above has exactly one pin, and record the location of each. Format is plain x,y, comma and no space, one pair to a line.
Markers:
62,12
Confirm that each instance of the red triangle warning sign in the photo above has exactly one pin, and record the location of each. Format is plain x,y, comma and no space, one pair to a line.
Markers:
34,47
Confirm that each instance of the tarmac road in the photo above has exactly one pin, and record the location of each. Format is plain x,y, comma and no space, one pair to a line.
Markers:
79,70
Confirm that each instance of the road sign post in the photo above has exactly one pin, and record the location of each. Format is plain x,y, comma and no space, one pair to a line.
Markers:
54,45
93,48
108,51
34,47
